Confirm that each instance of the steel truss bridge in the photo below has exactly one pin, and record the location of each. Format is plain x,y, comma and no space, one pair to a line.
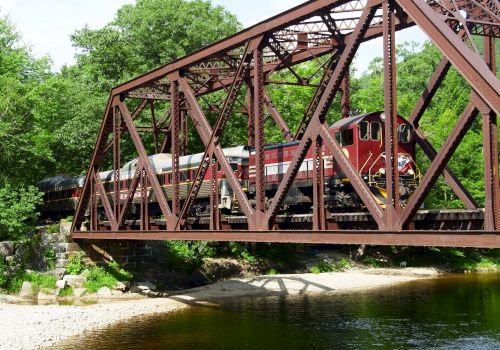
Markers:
329,32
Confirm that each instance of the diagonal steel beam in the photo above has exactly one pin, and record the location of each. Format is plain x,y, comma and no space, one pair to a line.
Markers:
414,119
311,125
463,125
278,118
468,63
216,134
450,178
131,193
148,168
95,163
105,201
350,172
205,131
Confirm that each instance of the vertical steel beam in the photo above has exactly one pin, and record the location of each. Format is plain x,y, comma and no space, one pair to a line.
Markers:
184,133
117,123
319,222
490,147
174,129
214,195
345,101
251,115
144,219
391,118
155,126
258,110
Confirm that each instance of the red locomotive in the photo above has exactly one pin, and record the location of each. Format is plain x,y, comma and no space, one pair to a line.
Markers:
360,137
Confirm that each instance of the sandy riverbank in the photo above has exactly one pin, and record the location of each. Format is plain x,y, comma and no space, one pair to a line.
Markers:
34,326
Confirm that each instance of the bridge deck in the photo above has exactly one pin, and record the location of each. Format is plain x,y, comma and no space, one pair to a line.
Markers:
453,227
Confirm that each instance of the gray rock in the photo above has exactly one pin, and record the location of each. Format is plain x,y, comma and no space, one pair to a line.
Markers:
57,273
116,292
61,284
85,273
120,286
7,248
145,286
65,228
135,289
79,292
26,290
104,292
75,281
48,294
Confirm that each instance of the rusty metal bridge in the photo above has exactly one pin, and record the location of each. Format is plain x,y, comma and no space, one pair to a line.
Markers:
330,32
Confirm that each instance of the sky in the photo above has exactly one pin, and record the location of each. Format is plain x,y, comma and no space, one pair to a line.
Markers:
46,25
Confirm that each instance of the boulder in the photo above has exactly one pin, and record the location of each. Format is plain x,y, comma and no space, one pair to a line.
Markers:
61,284
116,292
57,273
26,290
6,248
121,286
135,289
48,294
75,281
85,273
143,286
104,292
79,292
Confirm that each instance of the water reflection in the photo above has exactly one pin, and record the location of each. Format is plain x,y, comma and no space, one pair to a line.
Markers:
456,312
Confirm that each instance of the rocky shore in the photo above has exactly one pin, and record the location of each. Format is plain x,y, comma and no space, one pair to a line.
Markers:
38,326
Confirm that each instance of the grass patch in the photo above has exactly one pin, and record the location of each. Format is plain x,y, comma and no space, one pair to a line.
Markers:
66,292
106,276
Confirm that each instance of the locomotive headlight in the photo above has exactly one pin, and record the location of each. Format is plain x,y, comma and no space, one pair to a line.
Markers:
382,117
411,172
382,171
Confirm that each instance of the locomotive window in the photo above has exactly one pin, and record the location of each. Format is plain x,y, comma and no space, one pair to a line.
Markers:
364,130
234,166
404,133
375,131
345,137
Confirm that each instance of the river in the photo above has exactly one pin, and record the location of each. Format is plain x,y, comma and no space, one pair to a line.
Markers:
451,312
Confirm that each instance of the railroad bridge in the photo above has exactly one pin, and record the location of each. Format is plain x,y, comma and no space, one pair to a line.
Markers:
238,73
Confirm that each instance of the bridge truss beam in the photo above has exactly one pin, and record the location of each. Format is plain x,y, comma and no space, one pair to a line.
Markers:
244,68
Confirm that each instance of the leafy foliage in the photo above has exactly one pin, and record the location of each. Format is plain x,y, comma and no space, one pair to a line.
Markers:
18,212
106,276
75,264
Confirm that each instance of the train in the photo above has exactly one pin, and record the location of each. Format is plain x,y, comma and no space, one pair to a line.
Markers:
361,138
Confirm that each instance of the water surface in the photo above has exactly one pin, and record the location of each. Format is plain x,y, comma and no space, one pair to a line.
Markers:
454,312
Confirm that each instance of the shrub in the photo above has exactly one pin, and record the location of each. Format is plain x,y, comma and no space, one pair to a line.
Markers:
106,276
343,264
98,278
75,264
323,266
189,253
54,228
241,251
18,213
272,272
